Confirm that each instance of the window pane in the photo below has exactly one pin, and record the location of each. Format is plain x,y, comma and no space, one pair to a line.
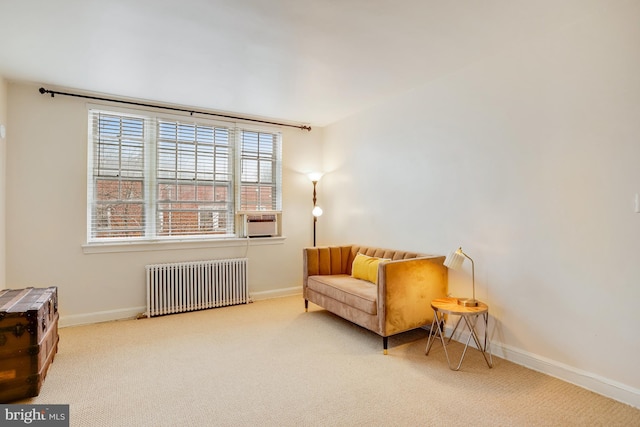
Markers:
259,171
205,193
221,136
249,170
266,145
131,190
119,219
108,159
205,135
118,185
107,189
249,144
186,192
193,160
266,171
222,164
186,132
132,159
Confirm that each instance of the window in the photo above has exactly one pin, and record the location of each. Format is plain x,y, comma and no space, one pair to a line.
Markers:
194,179
118,177
260,165
153,178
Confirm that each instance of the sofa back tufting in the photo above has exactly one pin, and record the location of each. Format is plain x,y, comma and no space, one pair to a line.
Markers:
339,259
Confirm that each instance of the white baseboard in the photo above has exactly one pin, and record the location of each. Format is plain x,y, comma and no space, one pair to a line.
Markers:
596,383
102,316
133,312
276,293
587,380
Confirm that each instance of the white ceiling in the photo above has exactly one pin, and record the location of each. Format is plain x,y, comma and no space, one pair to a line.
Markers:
308,61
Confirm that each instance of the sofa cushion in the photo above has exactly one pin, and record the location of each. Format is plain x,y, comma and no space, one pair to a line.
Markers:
366,267
356,293
391,254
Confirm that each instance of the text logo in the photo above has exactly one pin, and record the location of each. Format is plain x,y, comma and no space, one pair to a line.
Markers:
34,415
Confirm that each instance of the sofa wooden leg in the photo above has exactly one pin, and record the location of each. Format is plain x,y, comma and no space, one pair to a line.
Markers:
306,306
385,343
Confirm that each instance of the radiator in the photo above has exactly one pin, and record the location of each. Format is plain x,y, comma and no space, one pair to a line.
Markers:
196,285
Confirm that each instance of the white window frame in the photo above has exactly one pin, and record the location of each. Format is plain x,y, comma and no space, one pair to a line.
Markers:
261,181
151,234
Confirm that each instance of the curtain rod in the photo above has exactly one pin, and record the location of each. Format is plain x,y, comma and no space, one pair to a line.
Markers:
183,110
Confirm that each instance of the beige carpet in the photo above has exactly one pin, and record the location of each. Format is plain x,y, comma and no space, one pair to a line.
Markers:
271,364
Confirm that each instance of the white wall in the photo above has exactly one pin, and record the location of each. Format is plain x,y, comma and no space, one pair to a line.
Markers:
46,216
529,159
3,156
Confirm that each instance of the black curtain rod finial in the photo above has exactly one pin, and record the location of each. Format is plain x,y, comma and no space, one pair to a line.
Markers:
43,91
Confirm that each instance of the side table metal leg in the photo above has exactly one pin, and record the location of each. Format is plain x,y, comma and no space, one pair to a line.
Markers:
426,350
487,343
466,346
476,339
472,334
438,322
435,323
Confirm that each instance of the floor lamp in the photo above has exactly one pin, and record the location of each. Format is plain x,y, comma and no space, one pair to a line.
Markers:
317,210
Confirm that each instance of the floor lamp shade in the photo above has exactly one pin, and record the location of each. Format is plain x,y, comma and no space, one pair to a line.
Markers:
454,261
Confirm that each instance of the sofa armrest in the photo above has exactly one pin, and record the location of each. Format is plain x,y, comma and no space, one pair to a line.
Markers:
405,290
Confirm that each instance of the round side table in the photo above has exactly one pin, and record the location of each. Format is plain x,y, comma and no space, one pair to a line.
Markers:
469,315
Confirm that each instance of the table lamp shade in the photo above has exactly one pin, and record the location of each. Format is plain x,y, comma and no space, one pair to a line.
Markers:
454,260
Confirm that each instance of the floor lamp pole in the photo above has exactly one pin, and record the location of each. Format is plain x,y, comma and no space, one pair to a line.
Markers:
316,211
315,218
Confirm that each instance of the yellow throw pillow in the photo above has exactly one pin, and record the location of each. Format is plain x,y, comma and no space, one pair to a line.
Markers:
366,267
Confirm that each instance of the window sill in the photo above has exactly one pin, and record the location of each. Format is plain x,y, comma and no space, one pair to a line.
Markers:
98,248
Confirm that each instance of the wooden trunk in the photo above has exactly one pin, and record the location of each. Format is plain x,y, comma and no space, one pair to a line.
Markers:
28,340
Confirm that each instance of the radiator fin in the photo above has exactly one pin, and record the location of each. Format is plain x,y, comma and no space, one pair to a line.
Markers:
196,285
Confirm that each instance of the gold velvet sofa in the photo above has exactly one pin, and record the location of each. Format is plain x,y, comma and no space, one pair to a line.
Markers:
398,302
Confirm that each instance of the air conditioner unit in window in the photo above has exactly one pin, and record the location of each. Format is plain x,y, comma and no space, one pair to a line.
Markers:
260,224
